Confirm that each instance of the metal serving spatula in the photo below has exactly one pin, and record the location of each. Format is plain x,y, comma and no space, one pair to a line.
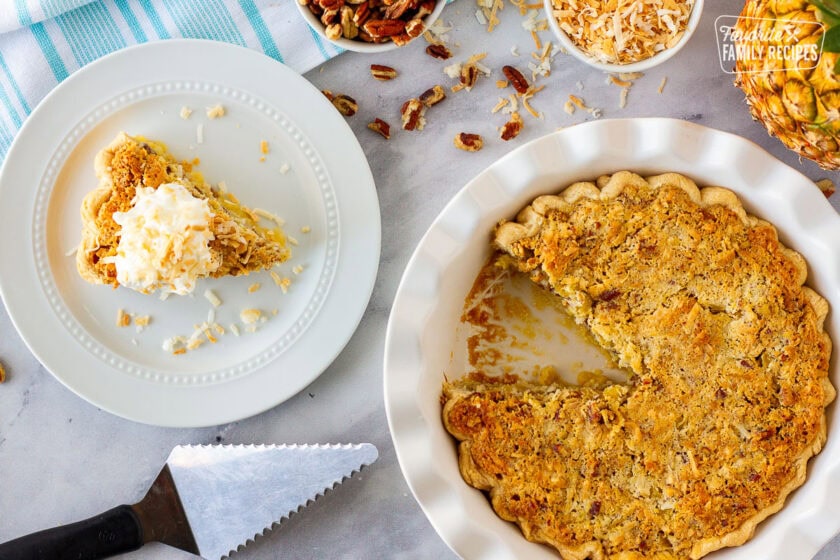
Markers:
207,500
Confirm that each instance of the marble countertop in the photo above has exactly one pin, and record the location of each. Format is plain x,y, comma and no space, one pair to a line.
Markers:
62,459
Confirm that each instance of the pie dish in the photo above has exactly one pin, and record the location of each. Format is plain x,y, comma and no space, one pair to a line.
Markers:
727,364
429,304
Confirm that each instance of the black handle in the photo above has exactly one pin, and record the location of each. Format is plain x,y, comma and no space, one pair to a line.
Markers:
115,531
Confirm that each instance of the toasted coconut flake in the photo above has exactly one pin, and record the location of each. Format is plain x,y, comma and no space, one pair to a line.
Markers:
212,297
254,287
142,321
285,282
500,105
123,318
662,84
185,112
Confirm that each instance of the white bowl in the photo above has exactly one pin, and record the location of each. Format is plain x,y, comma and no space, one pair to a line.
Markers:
640,66
420,347
358,45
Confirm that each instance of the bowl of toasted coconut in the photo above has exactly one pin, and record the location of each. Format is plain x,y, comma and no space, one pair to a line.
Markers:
370,26
624,36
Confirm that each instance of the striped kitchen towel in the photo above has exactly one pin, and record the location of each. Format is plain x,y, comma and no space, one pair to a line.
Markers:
44,41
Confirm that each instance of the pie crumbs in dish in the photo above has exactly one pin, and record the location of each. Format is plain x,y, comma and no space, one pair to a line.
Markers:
727,375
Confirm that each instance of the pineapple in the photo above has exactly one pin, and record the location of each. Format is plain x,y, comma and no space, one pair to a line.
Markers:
797,104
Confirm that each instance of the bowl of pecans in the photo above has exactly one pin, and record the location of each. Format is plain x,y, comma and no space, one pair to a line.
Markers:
370,25
623,38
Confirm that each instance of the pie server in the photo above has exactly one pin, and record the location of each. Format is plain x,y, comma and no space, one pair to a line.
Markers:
208,500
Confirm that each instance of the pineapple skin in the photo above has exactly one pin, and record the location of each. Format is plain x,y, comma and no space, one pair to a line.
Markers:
798,105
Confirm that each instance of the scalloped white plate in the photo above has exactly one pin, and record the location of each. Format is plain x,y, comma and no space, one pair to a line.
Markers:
315,176
429,301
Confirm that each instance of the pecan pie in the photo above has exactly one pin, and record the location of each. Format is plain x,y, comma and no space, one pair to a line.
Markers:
727,362
154,223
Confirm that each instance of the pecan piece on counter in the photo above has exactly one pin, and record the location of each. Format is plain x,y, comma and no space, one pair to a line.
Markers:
516,79
380,127
469,75
382,73
438,51
345,104
433,95
512,128
412,112
469,142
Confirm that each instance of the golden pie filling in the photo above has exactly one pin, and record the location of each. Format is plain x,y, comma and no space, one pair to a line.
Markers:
727,360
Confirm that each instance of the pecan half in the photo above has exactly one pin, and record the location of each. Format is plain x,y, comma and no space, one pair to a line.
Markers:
380,127
349,28
345,104
425,8
512,128
415,27
329,4
517,80
438,51
412,112
362,13
334,31
433,95
469,75
382,73
379,28
469,142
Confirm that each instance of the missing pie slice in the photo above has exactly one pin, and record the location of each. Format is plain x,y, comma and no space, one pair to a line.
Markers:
153,223
727,362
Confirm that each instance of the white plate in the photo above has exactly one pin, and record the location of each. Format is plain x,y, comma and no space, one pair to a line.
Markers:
314,175
430,299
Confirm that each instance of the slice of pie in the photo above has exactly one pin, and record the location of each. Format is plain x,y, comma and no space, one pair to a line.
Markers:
727,362
153,223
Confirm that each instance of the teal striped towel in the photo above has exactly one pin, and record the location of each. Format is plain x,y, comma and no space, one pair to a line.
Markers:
44,41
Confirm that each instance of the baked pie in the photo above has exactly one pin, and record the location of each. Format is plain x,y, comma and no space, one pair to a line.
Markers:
153,223
727,363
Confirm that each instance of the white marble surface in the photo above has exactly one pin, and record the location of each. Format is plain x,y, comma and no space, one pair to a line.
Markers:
62,459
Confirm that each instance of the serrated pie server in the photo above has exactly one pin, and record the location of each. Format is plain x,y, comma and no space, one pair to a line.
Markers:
208,500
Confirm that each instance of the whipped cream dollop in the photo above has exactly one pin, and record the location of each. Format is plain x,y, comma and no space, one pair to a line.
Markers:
164,241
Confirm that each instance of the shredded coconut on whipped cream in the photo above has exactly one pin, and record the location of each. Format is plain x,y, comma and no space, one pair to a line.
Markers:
164,241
